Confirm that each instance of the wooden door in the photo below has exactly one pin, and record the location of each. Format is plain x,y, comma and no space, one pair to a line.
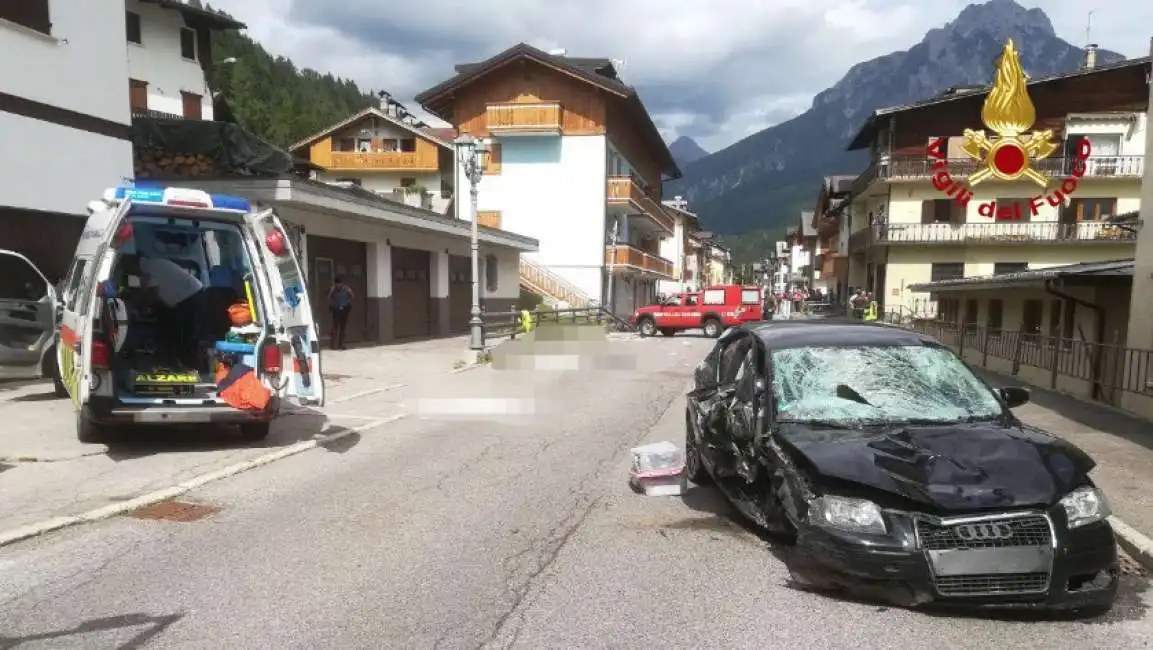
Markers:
193,106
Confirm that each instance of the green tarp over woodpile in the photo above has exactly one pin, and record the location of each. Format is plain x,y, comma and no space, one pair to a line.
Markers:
195,148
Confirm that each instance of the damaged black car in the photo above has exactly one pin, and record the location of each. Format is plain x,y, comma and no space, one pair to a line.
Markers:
894,472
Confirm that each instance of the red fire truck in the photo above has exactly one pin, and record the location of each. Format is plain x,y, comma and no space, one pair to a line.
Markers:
712,309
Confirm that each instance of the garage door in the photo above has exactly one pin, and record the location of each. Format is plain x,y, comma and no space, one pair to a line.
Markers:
328,259
411,293
459,293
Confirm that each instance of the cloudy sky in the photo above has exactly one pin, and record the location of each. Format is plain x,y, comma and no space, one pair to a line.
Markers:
717,71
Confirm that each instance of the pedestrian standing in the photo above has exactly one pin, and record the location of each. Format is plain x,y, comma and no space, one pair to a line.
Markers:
339,304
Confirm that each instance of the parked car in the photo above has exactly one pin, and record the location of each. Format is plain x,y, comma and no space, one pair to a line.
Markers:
28,303
895,472
711,309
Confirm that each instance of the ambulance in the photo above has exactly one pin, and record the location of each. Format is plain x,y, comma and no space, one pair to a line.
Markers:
172,292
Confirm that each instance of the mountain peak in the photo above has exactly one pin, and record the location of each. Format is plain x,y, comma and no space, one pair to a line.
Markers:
1000,19
686,151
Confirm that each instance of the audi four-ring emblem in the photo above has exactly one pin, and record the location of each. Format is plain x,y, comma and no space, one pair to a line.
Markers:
983,532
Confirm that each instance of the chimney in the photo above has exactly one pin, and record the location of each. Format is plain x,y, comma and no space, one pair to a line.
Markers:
385,100
1090,56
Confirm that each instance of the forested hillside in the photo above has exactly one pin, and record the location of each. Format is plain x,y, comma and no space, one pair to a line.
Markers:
273,98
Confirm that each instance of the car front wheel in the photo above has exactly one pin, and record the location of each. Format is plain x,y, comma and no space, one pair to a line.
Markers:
712,328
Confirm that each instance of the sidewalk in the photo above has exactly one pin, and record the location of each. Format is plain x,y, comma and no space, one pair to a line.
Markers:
45,472
1121,444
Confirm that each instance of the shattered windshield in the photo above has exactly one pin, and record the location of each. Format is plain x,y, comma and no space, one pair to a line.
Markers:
886,383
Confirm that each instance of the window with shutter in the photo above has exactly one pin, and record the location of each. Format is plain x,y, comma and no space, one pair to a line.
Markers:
946,271
32,14
137,95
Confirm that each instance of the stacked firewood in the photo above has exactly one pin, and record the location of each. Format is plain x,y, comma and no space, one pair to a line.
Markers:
159,164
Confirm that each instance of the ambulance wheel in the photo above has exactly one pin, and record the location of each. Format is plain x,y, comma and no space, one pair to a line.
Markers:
712,328
668,331
89,432
255,431
647,327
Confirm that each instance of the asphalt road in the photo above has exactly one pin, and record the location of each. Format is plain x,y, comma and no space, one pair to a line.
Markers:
466,531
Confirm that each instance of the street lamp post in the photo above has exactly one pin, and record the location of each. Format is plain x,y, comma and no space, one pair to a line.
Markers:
472,153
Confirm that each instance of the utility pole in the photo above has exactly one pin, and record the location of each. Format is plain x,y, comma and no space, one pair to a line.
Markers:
612,237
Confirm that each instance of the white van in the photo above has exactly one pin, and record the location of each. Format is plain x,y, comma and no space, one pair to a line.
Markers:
198,255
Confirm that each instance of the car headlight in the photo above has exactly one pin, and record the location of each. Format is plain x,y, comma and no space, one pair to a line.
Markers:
1085,505
848,514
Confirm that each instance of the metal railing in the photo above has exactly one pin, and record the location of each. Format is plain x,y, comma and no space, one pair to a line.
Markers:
540,280
1105,369
508,323
921,166
1003,232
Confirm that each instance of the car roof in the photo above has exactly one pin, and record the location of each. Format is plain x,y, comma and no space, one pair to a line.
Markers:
832,332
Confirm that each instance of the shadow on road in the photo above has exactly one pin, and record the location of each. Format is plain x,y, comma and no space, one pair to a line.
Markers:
132,442
38,397
155,625
1101,418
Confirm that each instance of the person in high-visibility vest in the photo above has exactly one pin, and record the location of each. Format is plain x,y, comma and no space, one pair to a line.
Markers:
871,311
526,321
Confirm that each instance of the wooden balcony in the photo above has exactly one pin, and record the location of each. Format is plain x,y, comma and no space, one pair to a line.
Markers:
625,257
623,192
508,119
1003,233
905,168
382,161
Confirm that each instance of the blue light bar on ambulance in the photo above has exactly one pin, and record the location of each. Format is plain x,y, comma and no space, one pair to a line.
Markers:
178,197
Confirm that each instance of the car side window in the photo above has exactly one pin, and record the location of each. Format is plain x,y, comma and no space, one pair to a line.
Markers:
706,371
19,280
73,283
747,374
731,359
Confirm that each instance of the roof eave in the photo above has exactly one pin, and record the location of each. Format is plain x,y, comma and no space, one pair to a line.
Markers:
201,17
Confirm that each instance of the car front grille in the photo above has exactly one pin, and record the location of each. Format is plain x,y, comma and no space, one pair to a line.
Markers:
1003,584
1026,530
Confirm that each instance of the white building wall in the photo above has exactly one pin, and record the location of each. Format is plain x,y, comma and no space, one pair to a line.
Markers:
158,61
382,237
79,67
673,249
551,189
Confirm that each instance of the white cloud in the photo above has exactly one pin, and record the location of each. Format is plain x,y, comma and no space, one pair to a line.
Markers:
717,71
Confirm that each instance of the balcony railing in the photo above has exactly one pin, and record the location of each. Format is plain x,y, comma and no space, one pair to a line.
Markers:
624,255
625,191
1014,232
381,160
524,119
921,167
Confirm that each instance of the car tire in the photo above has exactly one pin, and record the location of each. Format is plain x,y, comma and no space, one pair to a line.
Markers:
712,327
694,465
255,431
88,431
647,327
668,331
50,369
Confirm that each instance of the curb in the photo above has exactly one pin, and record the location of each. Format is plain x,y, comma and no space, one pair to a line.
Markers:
1134,543
33,530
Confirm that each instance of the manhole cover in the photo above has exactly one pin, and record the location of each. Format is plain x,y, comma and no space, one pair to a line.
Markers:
174,511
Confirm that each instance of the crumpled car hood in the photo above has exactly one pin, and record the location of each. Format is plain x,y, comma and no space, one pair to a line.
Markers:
955,468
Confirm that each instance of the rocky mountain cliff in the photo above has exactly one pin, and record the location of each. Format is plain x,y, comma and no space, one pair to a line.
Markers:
686,151
764,180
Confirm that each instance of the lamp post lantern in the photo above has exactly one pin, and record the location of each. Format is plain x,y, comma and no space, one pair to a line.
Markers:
472,153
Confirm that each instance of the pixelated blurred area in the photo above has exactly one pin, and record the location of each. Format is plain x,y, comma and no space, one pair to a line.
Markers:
562,347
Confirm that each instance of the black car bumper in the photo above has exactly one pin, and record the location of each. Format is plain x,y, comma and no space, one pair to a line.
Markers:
1083,573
